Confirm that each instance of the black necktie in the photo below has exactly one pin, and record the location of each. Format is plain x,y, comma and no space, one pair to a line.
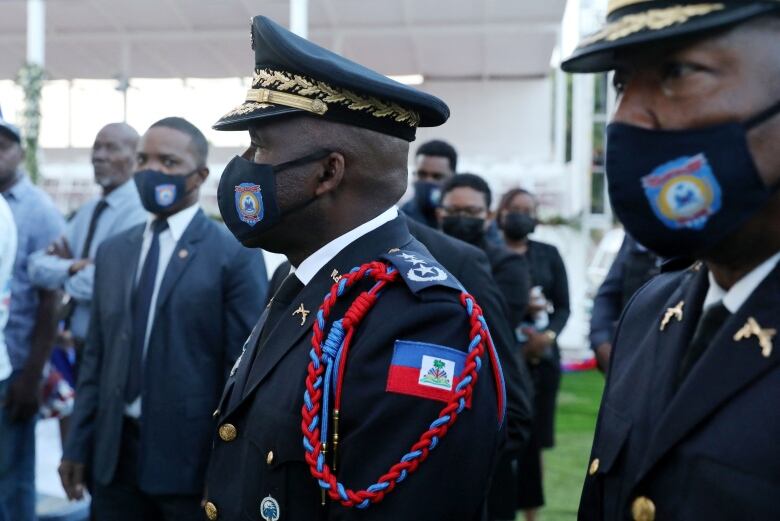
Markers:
142,301
101,205
710,322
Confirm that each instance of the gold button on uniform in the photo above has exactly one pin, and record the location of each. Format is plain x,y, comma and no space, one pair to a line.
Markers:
270,457
594,466
211,511
643,509
227,432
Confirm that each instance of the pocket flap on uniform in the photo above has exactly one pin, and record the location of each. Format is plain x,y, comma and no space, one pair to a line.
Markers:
612,432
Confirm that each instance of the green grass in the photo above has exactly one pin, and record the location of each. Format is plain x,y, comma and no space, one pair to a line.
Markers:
566,464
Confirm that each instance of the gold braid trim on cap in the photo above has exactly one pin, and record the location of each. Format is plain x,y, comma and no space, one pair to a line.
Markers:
653,19
614,5
268,85
246,108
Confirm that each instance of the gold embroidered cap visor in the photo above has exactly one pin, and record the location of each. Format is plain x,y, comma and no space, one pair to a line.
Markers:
633,23
295,76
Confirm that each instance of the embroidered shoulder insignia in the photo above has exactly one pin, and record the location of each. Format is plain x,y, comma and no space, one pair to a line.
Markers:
420,271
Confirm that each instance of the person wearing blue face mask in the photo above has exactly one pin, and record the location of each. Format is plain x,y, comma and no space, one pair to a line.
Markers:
688,425
435,163
174,298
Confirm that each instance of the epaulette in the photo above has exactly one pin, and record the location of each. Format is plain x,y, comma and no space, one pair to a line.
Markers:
420,271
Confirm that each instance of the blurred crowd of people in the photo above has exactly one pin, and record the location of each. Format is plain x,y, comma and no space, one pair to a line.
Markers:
75,320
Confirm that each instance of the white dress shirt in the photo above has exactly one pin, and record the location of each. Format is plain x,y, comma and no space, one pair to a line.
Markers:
315,262
741,291
177,224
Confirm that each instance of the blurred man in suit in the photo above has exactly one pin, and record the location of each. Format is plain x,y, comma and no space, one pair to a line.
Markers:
174,300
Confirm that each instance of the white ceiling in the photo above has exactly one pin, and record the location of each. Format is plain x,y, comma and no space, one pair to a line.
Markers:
441,39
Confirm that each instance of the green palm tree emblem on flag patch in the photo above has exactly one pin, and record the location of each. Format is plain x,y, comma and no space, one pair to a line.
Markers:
436,375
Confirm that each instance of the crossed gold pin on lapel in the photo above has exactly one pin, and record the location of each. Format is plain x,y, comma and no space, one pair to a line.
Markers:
673,312
303,312
764,336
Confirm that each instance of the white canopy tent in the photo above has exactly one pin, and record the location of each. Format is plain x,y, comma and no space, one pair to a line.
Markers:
439,39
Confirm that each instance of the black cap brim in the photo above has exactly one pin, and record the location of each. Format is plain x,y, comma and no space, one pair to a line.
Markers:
601,55
251,113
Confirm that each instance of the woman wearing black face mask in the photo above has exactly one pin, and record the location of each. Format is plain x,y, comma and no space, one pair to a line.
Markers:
547,314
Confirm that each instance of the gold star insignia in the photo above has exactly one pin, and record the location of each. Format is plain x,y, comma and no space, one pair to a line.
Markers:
303,312
764,336
674,312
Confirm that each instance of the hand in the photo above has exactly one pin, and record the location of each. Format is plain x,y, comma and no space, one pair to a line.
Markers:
78,265
60,249
538,342
23,398
72,478
603,353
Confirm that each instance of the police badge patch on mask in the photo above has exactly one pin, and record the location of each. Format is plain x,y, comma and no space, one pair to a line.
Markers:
249,203
425,370
683,193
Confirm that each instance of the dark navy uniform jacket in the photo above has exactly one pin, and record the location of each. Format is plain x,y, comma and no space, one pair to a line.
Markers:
709,449
265,457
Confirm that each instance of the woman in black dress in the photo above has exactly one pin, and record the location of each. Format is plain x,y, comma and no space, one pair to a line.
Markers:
548,312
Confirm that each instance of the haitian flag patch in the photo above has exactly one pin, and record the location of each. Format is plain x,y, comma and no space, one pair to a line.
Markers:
425,370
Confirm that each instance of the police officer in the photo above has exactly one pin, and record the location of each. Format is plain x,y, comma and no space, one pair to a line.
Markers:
365,404
688,427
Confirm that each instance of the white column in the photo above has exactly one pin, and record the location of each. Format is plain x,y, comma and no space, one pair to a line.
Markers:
582,141
36,32
299,17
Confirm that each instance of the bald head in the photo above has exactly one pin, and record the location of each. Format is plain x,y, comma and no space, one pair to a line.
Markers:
113,155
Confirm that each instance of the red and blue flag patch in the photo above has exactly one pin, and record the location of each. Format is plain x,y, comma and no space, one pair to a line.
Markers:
425,370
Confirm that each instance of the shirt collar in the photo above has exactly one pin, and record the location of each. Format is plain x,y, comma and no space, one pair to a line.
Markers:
177,222
314,262
120,193
741,291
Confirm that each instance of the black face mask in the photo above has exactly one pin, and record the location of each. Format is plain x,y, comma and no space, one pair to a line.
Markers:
468,229
427,195
517,226
159,191
247,196
680,193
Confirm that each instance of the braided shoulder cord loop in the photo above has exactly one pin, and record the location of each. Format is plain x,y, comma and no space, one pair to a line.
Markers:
325,376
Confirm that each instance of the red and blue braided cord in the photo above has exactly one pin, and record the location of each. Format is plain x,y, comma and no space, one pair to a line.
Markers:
326,375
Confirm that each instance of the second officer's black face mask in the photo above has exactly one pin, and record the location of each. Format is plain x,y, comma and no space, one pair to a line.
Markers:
681,192
247,196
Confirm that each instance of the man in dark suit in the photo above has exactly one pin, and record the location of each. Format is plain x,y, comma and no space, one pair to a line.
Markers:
689,425
633,266
174,300
340,413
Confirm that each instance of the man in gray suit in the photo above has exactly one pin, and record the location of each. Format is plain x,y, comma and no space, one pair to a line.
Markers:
174,300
